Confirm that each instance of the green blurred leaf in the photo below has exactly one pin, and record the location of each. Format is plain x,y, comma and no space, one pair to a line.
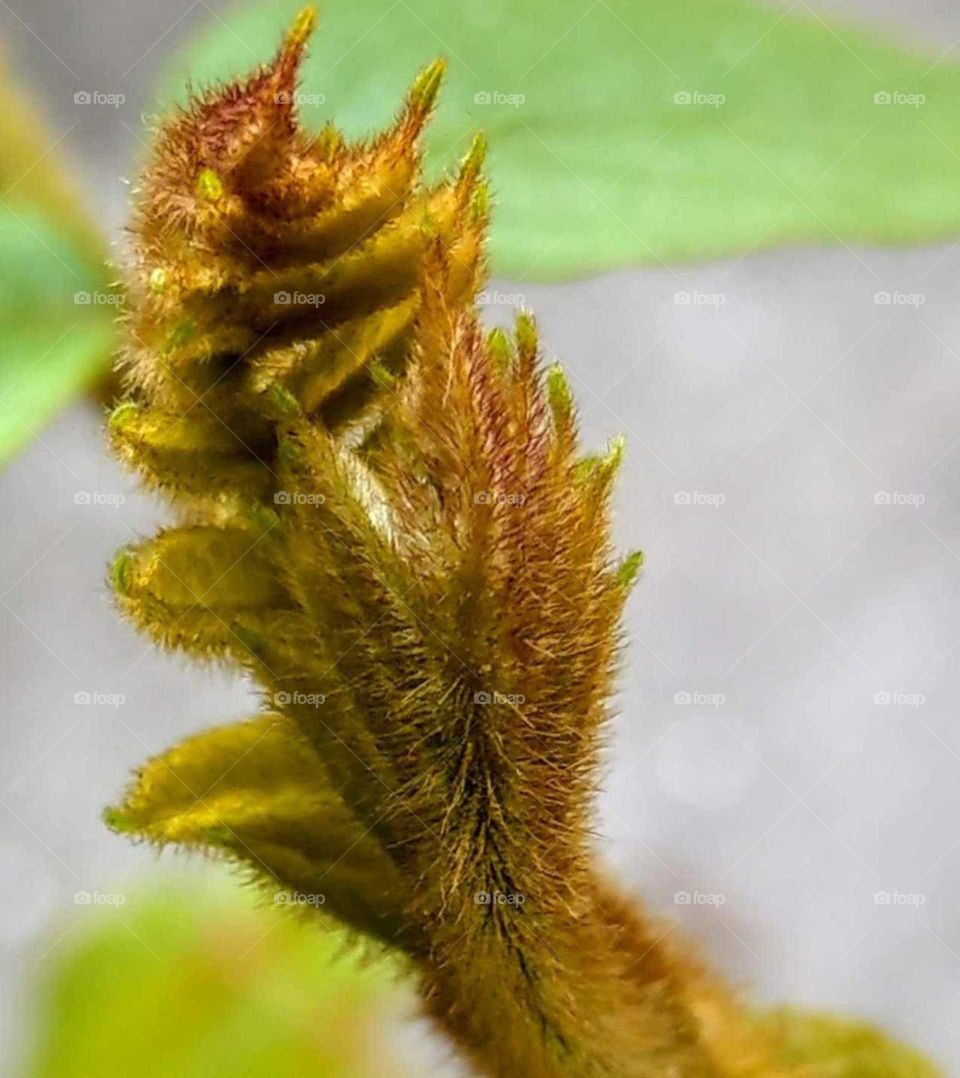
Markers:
598,167
194,981
56,330
56,334
827,1047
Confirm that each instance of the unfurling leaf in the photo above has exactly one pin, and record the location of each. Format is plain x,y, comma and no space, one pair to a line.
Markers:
425,588
257,793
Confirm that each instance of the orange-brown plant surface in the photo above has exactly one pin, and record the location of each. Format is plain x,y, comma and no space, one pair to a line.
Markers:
384,516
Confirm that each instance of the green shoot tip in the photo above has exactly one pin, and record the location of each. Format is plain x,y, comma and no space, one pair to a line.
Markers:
423,94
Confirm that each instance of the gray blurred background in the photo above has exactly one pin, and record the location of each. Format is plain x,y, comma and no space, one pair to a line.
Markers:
787,752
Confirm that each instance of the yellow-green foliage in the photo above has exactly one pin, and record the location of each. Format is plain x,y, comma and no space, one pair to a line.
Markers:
822,1045
190,980
386,520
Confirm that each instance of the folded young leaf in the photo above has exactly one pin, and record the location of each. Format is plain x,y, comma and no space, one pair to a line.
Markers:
257,793
207,589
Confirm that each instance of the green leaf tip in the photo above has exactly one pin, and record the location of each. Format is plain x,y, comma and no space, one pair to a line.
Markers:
122,414
614,456
501,349
426,86
629,569
209,185
475,156
118,820
382,374
526,331
284,403
120,571
558,393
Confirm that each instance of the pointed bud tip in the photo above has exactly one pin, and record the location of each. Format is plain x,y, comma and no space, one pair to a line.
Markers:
501,350
475,156
303,25
614,457
558,391
121,415
526,331
117,820
423,95
629,569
